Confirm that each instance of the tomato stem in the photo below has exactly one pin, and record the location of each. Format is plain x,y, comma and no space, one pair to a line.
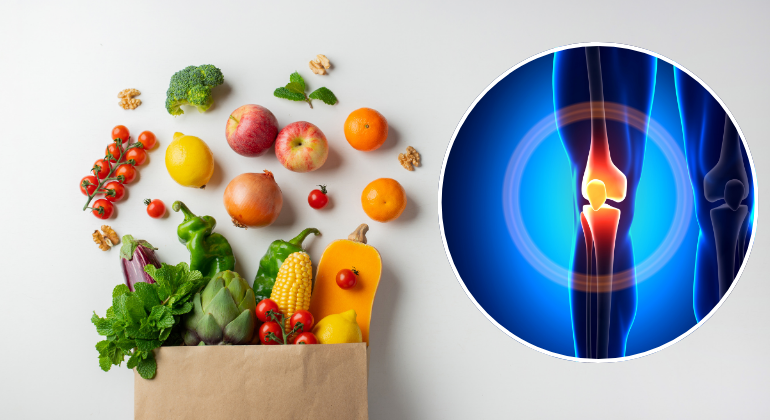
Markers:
278,318
109,177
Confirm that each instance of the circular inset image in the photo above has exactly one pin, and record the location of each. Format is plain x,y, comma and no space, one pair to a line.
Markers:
598,202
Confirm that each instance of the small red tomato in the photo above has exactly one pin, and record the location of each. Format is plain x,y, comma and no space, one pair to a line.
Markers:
120,132
113,150
347,279
128,172
103,168
306,338
88,184
137,154
114,191
155,208
102,208
303,316
270,327
147,139
318,198
265,305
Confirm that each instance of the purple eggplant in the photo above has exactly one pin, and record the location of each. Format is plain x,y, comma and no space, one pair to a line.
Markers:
134,255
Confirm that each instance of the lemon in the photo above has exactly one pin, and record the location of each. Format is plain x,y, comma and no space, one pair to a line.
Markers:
189,161
338,328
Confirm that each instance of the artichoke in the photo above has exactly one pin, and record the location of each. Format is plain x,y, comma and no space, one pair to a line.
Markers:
224,312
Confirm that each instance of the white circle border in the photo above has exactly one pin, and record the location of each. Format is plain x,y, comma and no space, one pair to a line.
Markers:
755,210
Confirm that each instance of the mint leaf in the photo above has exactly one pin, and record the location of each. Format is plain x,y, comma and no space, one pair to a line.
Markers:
187,307
147,294
120,290
125,344
103,326
147,345
324,95
296,78
147,367
284,93
170,277
105,363
134,308
296,88
133,361
102,346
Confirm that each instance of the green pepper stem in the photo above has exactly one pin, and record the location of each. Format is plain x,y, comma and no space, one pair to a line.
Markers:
297,241
178,205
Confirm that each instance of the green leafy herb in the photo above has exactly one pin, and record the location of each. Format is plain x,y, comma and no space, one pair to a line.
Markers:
325,95
295,91
139,322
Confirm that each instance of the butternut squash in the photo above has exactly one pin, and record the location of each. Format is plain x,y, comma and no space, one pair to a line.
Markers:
328,298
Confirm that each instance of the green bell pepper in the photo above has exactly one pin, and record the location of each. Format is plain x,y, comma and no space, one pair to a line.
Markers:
271,262
210,252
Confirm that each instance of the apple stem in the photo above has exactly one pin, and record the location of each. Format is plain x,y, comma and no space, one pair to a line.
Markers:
236,121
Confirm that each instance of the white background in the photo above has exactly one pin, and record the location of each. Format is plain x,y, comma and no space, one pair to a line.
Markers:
433,354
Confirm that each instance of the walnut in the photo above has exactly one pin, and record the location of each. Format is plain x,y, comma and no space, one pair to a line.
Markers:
324,61
129,103
127,100
106,239
412,157
110,234
129,93
316,67
319,65
101,241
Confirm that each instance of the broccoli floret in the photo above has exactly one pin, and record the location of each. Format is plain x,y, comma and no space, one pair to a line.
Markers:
192,86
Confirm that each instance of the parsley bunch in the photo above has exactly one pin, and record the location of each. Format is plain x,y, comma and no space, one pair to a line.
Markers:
140,321
295,91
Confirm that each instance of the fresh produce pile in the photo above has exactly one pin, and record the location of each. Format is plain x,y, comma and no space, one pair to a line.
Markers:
204,301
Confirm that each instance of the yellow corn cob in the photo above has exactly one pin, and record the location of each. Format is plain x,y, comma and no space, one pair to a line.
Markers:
293,286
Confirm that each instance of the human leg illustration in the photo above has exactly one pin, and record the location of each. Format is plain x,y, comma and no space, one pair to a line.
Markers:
717,165
608,155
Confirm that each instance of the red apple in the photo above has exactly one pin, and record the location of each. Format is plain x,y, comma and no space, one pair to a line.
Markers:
251,130
301,147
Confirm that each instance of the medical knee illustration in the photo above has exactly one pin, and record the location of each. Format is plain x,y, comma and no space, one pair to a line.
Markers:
602,180
650,209
606,155
723,192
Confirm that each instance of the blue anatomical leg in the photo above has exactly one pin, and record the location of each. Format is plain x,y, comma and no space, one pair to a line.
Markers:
628,79
722,188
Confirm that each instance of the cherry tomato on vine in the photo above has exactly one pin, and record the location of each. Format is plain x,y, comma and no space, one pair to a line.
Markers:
137,154
120,132
102,208
128,172
104,168
113,150
317,198
347,279
91,187
303,316
306,338
118,191
147,139
265,305
270,327
155,208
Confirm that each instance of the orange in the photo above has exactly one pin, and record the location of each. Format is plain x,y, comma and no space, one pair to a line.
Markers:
366,129
383,199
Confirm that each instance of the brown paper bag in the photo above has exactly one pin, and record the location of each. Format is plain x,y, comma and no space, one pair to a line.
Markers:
324,381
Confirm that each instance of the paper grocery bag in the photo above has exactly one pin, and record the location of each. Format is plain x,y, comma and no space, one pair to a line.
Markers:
322,381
